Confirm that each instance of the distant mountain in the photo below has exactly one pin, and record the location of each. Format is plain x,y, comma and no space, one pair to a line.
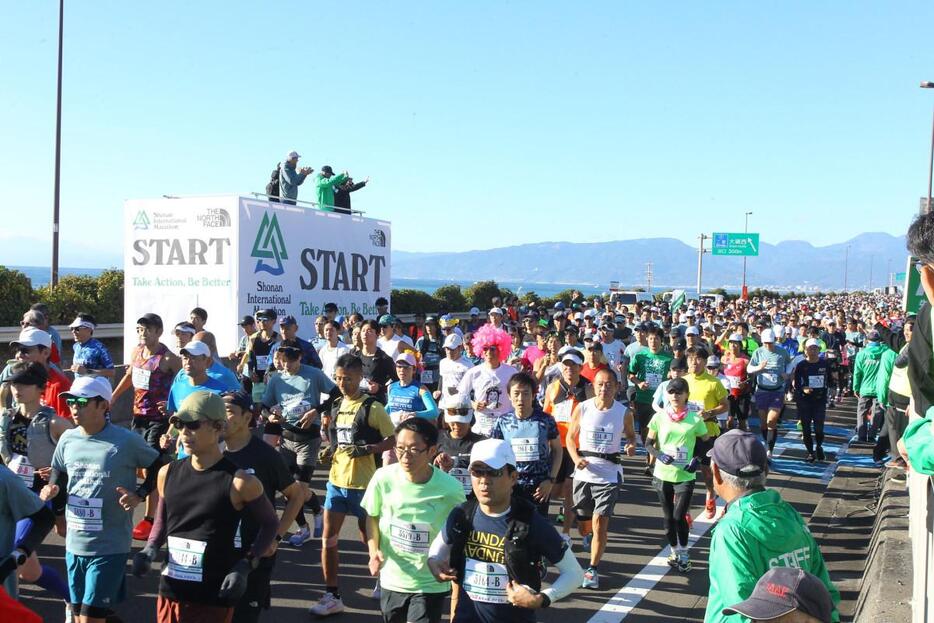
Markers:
28,251
786,265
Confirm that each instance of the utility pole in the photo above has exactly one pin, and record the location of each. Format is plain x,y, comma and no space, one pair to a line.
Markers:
871,260
648,276
58,148
700,261
745,294
846,267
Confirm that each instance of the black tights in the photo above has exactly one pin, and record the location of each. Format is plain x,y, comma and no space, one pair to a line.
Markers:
675,507
815,412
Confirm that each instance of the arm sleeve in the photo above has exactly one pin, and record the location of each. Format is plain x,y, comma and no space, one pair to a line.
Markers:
569,578
158,534
42,522
430,412
264,515
152,473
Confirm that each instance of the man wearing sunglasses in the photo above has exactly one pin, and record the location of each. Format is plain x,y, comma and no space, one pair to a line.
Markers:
204,498
472,548
91,357
34,345
96,465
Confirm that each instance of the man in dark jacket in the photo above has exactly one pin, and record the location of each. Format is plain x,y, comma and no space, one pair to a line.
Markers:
342,194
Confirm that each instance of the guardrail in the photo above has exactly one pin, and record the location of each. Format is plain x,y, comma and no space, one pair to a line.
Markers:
921,528
8,334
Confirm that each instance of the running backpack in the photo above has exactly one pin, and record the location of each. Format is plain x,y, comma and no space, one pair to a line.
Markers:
272,188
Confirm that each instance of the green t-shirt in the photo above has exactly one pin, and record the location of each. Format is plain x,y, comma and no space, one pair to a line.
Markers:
652,368
676,439
410,516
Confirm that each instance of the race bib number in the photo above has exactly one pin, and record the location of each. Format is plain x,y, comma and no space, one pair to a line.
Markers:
654,379
484,423
141,378
186,559
597,440
816,382
525,448
678,453
428,376
562,411
463,477
258,390
734,381
413,537
694,406
262,362
344,435
84,514
21,466
486,581
294,408
770,378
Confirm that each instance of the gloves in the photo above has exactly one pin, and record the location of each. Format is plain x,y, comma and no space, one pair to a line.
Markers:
667,459
693,465
234,584
10,563
355,451
142,561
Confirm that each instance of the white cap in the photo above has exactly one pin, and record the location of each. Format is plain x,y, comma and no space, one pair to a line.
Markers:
682,318
31,336
579,316
90,387
690,312
692,330
496,310
570,354
768,336
406,357
195,348
812,342
456,401
495,453
474,311
453,341
293,154
817,316
713,361
79,322
591,313
736,337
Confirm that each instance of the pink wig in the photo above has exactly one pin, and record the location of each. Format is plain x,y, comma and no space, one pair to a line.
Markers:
488,335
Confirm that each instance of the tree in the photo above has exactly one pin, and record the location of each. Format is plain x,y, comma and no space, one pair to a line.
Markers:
530,297
17,296
409,301
481,294
73,294
110,296
449,298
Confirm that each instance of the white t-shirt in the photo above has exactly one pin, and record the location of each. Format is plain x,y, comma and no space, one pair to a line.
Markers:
329,357
613,351
486,385
452,371
390,346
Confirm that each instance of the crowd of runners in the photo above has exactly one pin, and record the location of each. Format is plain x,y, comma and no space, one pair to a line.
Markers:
473,454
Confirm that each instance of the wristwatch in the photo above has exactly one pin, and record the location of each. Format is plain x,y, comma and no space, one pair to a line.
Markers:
545,600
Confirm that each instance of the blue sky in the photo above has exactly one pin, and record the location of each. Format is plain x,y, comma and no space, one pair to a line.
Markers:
515,121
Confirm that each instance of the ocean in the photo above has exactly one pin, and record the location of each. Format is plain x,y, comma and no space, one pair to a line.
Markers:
40,276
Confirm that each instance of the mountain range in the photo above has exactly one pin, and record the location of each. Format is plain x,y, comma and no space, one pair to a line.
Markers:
792,264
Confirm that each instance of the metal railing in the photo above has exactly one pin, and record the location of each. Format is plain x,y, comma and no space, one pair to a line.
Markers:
8,334
921,528
313,204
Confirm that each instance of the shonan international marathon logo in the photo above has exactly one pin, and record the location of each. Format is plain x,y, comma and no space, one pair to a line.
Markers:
141,221
269,245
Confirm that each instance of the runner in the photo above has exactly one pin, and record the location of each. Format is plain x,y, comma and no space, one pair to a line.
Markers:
204,498
810,381
734,368
769,365
706,398
293,399
430,353
332,349
254,456
358,428
455,443
407,399
594,441
378,367
388,341
258,362
198,317
673,434
453,367
90,355
407,503
486,383
248,325
288,336
648,368
661,399
533,435
96,465
150,373
28,434
34,345
499,577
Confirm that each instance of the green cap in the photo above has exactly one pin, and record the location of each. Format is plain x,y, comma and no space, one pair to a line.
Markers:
201,405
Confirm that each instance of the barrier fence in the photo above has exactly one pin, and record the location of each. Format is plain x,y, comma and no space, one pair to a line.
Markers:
921,526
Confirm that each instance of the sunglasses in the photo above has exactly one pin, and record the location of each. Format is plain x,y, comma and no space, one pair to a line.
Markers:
180,425
487,473
24,350
77,402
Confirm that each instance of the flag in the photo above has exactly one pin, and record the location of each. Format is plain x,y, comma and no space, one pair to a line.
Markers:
677,300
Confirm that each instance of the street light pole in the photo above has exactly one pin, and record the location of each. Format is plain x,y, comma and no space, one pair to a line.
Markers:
745,231
872,259
58,148
700,262
927,84
846,267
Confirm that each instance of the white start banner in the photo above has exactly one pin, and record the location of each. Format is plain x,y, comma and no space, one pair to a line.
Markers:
233,256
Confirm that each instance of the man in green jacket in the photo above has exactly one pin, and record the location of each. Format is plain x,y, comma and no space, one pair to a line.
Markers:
759,531
324,184
868,374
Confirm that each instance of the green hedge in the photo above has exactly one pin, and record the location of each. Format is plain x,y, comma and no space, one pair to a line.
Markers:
101,296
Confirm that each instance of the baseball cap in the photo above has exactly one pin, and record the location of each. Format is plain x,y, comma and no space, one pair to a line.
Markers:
579,316
495,310
474,311
292,154
782,590
288,320
31,336
266,314
32,374
407,358
558,314
200,405
873,336
736,337
713,361
447,321
186,327
739,453
453,341
458,402
811,342
571,354
386,320
80,322
495,453
89,387
195,348
239,398
150,320
559,305
768,336
679,363
327,169
608,325
692,330
247,320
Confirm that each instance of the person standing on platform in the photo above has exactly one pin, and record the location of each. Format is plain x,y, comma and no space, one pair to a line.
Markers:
325,182
290,178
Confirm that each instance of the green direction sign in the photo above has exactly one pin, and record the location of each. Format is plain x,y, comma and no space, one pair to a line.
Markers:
735,244
900,277
914,293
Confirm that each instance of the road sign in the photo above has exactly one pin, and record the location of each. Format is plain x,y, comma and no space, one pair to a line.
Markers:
900,277
735,244
914,293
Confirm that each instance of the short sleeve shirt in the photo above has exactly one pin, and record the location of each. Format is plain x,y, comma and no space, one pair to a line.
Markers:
16,502
705,392
92,355
529,439
651,368
355,473
677,440
297,393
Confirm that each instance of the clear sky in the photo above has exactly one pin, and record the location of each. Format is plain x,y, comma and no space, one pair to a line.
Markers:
514,121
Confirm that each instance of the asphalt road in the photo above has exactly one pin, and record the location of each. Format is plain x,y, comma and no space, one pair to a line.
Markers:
653,594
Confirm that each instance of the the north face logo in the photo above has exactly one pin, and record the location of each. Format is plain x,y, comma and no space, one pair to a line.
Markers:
269,244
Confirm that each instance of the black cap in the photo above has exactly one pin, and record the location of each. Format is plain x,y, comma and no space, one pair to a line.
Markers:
33,374
740,453
247,320
327,169
330,307
150,320
381,301
679,363
680,344
292,351
266,314
239,398
783,590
